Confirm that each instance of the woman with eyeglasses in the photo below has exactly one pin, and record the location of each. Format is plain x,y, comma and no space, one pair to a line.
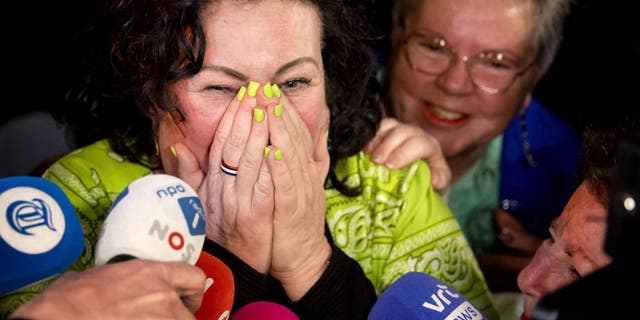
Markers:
463,71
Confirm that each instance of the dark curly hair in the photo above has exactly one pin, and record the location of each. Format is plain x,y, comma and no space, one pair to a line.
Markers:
140,47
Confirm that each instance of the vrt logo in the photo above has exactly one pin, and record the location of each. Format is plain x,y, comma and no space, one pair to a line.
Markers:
31,221
175,239
438,298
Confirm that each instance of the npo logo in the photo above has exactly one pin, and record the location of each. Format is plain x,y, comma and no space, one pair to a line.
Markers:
31,221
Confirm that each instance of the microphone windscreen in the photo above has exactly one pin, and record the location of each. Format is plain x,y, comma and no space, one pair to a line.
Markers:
264,310
417,295
219,290
156,217
40,234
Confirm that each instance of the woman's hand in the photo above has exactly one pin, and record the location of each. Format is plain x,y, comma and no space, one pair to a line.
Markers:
513,234
299,165
397,144
239,208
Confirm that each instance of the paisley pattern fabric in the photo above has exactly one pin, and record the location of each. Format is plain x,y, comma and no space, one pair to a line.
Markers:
397,224
92,177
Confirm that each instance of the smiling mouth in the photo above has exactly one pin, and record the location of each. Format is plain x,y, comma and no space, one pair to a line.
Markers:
442,116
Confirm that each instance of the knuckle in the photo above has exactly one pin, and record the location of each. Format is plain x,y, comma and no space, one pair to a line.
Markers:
235,140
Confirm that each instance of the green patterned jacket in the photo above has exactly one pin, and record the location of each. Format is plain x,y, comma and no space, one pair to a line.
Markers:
397,224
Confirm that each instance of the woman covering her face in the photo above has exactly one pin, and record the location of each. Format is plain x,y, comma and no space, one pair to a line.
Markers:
263,107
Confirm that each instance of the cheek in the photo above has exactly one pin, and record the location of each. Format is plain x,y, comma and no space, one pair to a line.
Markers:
406,85
313,112
498,109
199,128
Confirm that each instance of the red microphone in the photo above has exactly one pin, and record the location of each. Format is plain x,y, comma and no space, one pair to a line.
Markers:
264,310
217,299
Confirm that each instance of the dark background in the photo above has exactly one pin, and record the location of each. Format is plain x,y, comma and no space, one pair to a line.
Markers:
593,82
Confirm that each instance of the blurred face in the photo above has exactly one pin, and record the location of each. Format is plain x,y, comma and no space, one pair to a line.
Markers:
576,248
449,106
264,41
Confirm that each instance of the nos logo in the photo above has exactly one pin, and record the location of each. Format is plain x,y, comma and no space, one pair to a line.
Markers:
175,239
193,213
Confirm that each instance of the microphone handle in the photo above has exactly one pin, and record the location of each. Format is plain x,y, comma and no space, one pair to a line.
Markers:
121,258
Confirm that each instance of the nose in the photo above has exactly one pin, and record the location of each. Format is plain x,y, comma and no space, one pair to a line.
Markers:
456,80
533,279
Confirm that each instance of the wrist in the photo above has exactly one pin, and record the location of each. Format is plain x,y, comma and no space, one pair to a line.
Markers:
297,282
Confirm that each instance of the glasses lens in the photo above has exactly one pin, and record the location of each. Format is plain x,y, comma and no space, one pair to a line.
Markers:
493,71
428,54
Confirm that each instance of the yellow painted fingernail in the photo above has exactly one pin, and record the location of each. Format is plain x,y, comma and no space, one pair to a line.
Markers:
267,90
276,90
266,152
173,151
277,155
241,92
253,88
258,114
277,110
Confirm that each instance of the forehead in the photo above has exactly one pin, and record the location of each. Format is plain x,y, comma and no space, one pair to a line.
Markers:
260,32
477,23
582,224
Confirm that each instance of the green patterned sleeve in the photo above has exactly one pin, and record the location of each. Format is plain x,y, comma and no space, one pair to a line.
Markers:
428,239
91,177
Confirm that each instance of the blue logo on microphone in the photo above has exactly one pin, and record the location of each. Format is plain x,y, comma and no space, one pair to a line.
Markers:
23,215
193,214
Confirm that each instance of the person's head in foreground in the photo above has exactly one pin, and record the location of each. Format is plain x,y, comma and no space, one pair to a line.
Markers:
576,246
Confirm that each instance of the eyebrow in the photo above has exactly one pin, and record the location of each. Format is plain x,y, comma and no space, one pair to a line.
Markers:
552,228
242,77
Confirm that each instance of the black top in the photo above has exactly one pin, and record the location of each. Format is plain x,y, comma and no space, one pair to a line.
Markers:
342,292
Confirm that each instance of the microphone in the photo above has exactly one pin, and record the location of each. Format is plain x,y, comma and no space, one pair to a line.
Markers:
219,289
264,310
40,234
417,295
156,217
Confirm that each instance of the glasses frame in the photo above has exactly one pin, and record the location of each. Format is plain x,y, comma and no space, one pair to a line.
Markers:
467,60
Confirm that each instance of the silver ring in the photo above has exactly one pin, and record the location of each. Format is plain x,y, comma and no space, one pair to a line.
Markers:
226,168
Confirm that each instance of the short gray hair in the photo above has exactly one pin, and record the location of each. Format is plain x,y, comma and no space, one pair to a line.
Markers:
548,22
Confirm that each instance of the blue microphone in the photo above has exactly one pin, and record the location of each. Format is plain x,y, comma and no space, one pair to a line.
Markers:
417,295
40,234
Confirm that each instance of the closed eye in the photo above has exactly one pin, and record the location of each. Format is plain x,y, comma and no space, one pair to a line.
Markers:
222,89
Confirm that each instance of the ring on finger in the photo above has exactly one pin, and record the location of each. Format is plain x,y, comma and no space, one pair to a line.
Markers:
228,169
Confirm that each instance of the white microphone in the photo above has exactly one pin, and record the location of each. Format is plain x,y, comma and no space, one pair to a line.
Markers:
417,295
157,217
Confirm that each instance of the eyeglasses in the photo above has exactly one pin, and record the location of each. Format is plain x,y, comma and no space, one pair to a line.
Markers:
491,71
